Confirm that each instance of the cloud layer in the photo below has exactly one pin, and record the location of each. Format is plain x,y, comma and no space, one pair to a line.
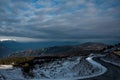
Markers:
60,19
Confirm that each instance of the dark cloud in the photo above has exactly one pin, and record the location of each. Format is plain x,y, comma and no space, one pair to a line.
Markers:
60,19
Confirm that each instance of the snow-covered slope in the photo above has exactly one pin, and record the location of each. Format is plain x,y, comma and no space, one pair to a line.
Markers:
71,68
11,74
66,68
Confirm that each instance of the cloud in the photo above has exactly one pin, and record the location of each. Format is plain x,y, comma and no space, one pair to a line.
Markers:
60,19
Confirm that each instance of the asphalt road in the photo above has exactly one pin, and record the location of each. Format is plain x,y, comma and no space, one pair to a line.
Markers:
113,72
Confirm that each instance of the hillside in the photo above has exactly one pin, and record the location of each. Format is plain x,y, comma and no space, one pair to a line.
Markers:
52,68
113,55
59,62
83,49
15,46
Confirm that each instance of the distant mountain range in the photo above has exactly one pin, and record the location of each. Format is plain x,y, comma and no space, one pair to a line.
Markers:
14,48
11,46
83,49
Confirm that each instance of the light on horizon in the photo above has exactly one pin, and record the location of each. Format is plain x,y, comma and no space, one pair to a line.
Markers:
7,40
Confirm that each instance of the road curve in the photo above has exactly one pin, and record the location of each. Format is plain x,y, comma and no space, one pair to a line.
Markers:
113,72
91,61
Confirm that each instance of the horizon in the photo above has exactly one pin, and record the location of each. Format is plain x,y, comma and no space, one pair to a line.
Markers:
80,41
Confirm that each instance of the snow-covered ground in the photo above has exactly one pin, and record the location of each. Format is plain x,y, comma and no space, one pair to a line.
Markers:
67,68
6,66
11,74
74,68
64,69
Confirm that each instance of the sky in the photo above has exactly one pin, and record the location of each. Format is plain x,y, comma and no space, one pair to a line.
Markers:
44,20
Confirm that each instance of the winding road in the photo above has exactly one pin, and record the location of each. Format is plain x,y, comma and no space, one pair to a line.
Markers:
113,72
98,63
108,71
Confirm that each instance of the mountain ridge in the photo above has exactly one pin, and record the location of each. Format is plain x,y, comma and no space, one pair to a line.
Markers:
83,49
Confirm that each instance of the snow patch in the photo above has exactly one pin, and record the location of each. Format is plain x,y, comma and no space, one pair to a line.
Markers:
6,66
